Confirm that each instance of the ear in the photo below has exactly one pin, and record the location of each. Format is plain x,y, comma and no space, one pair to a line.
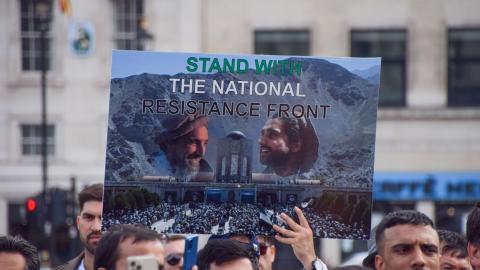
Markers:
378,262
78,220
296,146
274,252
474,253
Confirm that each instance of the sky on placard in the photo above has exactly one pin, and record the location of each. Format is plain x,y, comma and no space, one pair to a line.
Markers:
127,63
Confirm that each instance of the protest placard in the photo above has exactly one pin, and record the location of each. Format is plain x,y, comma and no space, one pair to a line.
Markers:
206,143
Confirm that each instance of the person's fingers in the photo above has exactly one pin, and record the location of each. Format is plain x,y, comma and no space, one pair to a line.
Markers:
194,267
291,223
301,217
285,240
284,231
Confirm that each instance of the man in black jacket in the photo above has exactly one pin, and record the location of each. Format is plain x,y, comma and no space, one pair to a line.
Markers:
89,223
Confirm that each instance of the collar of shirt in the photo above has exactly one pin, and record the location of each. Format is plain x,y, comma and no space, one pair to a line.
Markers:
81,266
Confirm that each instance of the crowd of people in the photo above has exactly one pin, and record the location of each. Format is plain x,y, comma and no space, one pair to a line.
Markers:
208,218
404,239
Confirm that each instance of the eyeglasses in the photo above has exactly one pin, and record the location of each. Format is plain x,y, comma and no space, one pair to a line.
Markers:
174,258
263,249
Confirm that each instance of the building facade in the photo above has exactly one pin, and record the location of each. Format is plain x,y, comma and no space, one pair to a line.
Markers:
429,114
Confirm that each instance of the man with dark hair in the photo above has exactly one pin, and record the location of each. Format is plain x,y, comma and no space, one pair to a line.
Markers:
226,254
174,248
453,249
183,144
17,254
89,223
473,236
123,241
406,239
288,146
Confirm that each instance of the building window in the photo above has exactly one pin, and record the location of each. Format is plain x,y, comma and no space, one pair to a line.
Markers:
32,140
30,38
129,21
288,42
463,67
391,46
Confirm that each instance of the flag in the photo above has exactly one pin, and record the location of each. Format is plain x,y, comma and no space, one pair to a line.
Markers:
65,7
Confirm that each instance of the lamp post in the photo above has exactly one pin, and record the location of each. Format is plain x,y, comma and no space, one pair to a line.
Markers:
42,11
43,17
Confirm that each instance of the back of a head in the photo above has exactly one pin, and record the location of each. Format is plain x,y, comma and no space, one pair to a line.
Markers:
473,226
453,241
17,244
107,251
90,193
221,251
402,217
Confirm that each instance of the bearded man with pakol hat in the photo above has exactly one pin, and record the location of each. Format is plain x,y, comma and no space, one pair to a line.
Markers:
183,142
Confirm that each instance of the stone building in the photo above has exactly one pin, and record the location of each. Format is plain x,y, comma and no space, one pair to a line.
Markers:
429,114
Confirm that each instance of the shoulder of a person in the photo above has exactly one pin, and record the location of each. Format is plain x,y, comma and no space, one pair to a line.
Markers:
72,264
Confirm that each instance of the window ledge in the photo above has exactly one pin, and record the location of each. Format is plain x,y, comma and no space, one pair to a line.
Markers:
33,79
35,160
429,114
